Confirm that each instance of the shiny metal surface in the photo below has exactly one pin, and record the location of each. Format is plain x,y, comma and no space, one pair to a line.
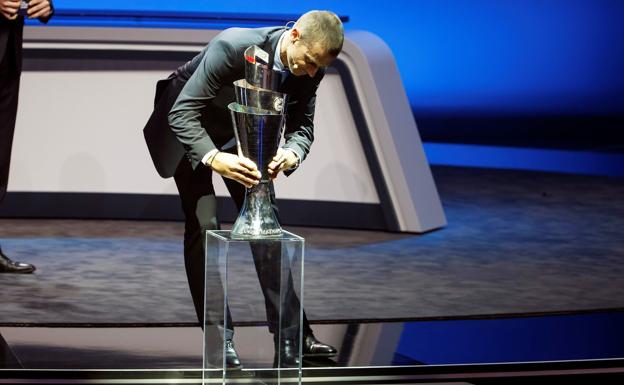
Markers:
257,136
257,218
251,96
257,71
258,117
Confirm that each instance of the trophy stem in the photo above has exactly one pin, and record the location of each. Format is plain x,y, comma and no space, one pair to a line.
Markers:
257,218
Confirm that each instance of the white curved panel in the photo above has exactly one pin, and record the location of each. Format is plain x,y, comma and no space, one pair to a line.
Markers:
81,131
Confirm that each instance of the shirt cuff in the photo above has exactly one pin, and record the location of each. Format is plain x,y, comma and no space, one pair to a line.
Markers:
207,159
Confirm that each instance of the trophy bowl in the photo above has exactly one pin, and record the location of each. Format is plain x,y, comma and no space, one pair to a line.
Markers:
251,96
258,132
257,71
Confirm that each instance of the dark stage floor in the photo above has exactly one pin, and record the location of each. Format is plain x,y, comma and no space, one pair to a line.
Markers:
517,243
528,270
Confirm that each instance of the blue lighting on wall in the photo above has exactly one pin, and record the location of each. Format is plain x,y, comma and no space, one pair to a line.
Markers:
556,56
461,58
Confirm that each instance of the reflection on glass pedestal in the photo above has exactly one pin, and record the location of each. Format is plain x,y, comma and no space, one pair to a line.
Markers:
261,279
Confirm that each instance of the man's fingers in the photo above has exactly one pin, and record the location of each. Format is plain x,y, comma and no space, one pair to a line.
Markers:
249,167
34,7
243,179
253,176
273,165
278,161
38,10
247,163
43,12
11,5
10,16
245,171
38,3
9,9
240,178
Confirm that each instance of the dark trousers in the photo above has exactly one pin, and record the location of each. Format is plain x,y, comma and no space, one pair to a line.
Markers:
200,209
9,91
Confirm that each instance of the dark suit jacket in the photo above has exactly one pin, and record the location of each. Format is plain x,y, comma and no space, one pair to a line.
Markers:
13,30
191,116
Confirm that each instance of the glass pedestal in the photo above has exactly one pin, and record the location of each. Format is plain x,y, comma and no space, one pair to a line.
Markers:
256,283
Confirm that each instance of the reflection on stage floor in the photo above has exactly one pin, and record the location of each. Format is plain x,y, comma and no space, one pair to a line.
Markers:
588,336
457,351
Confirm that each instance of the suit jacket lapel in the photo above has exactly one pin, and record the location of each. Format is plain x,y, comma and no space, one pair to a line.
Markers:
270,44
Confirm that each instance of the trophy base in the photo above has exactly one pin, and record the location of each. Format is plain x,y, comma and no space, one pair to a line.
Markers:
249,235
257,219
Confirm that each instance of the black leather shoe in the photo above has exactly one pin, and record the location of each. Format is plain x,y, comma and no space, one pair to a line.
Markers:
231,357
8,266
315,348
288,354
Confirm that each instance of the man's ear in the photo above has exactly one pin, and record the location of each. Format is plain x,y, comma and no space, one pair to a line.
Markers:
295,34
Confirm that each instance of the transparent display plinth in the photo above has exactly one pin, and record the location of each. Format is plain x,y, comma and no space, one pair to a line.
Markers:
259,284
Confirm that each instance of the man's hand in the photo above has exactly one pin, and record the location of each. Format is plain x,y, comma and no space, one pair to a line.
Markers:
9,8
39,8
236,167
283,160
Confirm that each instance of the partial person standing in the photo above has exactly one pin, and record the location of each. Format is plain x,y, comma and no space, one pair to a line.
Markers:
12,14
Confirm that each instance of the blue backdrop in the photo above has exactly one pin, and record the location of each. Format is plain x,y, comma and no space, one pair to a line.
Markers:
535,73
556,56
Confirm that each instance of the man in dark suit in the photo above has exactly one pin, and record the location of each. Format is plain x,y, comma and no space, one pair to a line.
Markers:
190,135
11,31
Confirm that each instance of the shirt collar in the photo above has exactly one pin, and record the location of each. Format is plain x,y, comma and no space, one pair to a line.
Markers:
277,60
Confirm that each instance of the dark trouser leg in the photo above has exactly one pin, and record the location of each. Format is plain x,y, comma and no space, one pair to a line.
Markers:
9,90
200,210
267,260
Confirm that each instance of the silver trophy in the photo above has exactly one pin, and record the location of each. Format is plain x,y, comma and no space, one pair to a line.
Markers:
258,118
